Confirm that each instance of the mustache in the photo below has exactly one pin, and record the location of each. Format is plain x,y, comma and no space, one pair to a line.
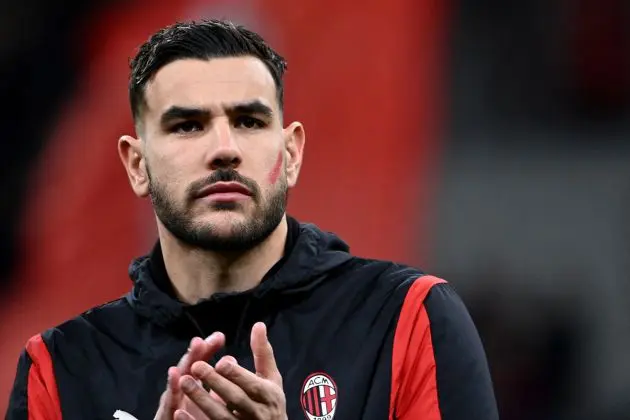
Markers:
224,175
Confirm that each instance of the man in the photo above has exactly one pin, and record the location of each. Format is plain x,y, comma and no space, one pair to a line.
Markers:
295,326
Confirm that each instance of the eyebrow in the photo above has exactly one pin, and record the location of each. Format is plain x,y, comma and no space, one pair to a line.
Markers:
250,108
183,113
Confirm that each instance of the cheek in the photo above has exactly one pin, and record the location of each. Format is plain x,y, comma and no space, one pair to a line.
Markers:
169,176
274,174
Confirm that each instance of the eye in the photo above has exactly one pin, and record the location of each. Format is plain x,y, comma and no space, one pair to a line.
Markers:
186,127
245,121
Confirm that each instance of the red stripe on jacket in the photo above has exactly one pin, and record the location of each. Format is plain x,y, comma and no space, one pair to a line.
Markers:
414,388
43,398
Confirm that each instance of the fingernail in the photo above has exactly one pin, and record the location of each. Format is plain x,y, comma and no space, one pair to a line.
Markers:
212,337
188,384
201,368
230,359
225,367
261,326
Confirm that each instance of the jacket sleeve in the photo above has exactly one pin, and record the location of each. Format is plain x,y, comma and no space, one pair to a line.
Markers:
439,367
34,394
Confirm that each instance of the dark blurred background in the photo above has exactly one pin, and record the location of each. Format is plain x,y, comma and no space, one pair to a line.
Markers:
485,141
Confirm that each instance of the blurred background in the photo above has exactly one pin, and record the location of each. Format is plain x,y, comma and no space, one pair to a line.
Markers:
485,141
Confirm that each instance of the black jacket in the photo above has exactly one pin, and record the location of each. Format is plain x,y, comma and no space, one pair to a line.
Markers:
353,338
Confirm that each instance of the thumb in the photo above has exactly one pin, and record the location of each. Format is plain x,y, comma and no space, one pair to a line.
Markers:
264,360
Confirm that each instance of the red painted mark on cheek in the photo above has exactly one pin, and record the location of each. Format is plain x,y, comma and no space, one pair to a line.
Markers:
275,171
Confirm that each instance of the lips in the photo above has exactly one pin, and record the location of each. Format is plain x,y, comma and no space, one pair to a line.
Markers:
224,189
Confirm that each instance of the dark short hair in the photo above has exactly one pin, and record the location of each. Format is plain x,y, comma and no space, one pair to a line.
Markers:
204,40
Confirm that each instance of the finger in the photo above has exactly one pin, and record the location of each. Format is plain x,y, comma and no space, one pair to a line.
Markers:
214,342
201,350
234,397
171,397
210,407
257,388
174,392
193,353
264,360
228,359
182,415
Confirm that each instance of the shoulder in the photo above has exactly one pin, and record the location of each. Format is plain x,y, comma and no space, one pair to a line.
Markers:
381,271
109,320
433,305
437,353
403,280
422,296
384,284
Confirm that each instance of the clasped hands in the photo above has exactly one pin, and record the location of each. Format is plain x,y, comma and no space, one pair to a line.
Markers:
235,392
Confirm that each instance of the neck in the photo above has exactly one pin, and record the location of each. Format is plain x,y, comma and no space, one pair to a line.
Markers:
197,274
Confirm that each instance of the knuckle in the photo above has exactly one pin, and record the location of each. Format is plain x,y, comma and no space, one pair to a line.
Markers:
241,400
198,393
278,402
236,375
259,389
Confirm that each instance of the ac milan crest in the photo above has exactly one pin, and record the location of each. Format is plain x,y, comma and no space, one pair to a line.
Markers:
319,397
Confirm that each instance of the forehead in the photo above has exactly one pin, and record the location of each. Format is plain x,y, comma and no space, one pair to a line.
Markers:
210,83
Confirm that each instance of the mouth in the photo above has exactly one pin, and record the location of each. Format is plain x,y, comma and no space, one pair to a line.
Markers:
225,192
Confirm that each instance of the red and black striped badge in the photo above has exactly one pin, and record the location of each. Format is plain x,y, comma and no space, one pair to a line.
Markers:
319,397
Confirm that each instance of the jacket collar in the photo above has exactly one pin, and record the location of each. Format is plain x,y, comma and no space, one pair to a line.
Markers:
309,253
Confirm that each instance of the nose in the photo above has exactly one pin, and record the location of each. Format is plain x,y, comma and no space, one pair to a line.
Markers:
225,152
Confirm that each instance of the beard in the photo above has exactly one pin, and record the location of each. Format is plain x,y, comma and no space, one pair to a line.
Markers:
242,236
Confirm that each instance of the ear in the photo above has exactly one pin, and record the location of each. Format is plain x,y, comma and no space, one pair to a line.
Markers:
294,139
131,154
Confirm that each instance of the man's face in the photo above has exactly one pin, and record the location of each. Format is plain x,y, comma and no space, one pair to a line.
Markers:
214,157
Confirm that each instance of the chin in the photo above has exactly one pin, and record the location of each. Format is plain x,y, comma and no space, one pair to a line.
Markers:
224,221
